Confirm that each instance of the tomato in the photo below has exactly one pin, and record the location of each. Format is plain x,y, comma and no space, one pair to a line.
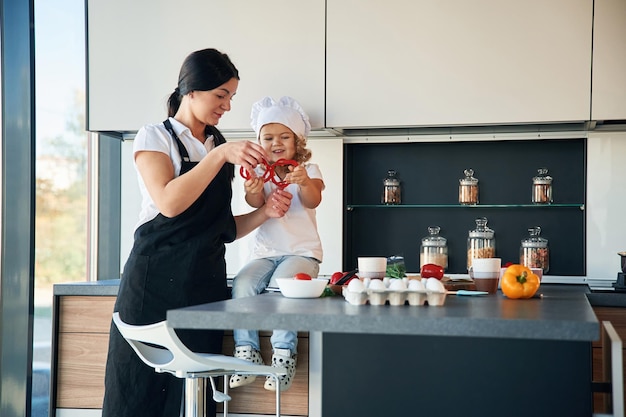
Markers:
519,282
336,277
302,276
431,271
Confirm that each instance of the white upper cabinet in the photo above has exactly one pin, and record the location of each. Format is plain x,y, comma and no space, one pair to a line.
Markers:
609,60
458,62
136,48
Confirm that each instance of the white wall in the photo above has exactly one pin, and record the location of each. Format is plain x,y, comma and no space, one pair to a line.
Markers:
606,203
327,153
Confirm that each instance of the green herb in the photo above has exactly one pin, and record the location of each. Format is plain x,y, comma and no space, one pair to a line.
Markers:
396,270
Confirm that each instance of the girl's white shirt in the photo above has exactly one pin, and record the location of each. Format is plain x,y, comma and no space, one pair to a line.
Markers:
156,138
296,232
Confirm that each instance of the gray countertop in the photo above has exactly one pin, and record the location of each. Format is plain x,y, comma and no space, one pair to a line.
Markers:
563,313
101,287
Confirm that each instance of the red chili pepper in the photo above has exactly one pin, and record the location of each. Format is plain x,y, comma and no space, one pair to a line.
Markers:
266,175
281,163
270,171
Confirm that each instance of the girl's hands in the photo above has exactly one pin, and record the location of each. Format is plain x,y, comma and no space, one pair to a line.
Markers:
297,175
253,186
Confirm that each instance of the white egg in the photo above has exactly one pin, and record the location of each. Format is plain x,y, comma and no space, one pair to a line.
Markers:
416,285
366,282
377,285
355,285
386,281
397,285
434,285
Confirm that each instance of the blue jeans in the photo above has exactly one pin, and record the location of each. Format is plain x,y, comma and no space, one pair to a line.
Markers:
254,278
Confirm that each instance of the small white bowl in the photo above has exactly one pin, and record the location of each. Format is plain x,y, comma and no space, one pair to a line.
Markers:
301,288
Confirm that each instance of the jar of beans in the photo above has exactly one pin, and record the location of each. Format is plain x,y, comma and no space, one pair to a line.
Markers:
534,251
542,187
481,242
392,191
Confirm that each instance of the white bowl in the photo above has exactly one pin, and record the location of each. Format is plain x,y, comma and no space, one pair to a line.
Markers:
301,288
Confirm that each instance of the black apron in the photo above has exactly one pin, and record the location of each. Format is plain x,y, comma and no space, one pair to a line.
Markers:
175,262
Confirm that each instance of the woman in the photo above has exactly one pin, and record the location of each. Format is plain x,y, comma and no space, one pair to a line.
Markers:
185,169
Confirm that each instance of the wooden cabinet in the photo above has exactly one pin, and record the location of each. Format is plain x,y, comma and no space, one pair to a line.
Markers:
617,317
454,62
609,60
136,50
80,351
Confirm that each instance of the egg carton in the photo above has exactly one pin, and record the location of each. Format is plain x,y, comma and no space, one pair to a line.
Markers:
394,298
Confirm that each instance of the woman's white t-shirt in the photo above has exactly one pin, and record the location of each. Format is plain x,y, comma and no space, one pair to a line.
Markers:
156,138
293,234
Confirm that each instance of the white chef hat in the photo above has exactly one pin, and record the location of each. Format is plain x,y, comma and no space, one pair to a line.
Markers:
286,111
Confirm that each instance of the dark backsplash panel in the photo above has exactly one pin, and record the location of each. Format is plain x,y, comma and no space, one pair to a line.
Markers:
430,174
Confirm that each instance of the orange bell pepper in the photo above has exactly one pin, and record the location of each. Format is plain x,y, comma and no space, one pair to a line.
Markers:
519,282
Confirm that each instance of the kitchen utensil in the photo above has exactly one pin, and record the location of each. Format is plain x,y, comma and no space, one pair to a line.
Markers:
467,292
218,396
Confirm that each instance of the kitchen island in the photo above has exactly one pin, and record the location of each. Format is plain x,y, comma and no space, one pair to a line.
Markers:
487,356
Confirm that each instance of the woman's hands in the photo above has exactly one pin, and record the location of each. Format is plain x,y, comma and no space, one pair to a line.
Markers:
278,203
245,153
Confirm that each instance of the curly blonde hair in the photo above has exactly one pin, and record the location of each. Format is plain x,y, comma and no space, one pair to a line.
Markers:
302,153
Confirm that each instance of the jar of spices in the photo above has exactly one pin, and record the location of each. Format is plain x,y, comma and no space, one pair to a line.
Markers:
468,188
434,249
534,251
392,192
481,242
542,187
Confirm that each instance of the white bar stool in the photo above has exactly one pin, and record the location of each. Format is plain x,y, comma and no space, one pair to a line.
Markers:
174,357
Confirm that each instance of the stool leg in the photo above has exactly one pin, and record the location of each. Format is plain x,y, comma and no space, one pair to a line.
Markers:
277,395
226,378
195,397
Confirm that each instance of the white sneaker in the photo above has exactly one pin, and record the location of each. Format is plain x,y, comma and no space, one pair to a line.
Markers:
282,358
249,354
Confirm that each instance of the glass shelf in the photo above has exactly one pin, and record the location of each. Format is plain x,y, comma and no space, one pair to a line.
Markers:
475,206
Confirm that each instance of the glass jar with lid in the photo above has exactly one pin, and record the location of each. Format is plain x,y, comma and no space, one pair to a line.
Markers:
434,249
481,242
468,188
534,251
542,187
392,191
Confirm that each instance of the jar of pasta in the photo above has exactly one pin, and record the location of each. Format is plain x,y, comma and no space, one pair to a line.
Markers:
481,242
534,251
468,188
434,249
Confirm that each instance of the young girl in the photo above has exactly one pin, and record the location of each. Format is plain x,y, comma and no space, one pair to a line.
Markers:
282,247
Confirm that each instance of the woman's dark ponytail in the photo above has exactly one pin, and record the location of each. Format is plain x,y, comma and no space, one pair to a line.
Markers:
173,103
